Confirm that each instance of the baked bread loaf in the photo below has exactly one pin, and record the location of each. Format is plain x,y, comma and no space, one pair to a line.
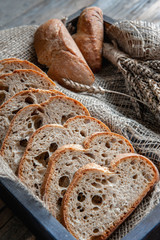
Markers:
89,36
22,99
102,149
46,140
11,64
56,110
96,192
56,49
22,79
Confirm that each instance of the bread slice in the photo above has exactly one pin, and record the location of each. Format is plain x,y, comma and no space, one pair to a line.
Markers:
68,159
11,64
56,110
98,201
20,80
46,140
9,109
8,59
105,146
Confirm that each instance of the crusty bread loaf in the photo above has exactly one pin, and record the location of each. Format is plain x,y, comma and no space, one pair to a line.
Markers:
11,64
102,149
46,140
89,36
20,100
22,79
56,110
98,201
56,49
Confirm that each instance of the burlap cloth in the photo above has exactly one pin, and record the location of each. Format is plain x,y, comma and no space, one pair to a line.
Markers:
114,110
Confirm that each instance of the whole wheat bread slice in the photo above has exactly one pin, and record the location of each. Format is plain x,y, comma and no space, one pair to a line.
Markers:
46,140
68,159
8,59
11,64
20,100
56,110
98,201
20,80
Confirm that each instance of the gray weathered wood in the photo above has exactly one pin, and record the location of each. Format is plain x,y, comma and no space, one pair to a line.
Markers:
5,216
14,229
2,204
135,9
10,10
20,12
45,10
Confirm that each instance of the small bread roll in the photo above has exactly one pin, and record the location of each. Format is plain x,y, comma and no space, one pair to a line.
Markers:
89,36
57,50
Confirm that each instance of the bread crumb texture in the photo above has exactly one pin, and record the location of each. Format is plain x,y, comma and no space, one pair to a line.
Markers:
97,201
47,140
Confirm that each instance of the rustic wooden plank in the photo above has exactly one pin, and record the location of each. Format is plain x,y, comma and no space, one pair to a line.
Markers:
152,13
14,229
46,10
5,216
27,236
10,10
37,12
135,9
2,204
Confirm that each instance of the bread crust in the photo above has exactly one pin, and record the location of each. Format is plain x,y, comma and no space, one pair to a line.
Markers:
79,175
72,148
15,61
56,49
73,68
66,124
50,37
31,90
20,71
64,98
89,36
12,123
8,59
71,133
20,168
22,79
41,107
87,118
9,108
91,137
52,162
121,157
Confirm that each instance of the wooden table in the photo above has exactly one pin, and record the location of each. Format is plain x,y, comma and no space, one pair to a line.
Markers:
20,12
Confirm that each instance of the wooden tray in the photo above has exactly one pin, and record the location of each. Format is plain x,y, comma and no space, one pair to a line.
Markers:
43,225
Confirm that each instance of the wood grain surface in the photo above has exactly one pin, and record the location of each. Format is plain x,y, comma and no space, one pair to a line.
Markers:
21,12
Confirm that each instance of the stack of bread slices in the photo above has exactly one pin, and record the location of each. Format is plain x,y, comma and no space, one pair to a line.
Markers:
89,177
